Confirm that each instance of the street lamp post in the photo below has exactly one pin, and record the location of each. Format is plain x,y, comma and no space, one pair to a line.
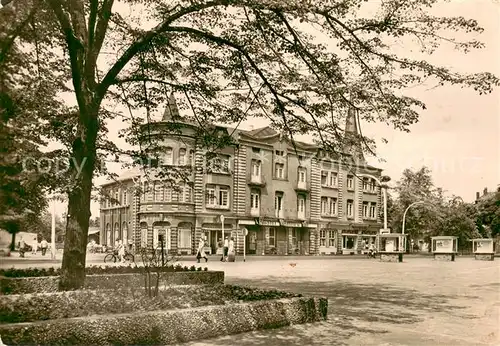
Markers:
53,231
222,227
404,214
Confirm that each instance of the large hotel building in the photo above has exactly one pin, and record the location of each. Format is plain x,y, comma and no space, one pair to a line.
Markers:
275,198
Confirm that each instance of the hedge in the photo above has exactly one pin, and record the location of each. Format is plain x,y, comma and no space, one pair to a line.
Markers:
167,327
34,307
45,284
94,270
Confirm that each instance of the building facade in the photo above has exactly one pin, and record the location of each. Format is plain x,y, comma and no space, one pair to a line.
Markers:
272,196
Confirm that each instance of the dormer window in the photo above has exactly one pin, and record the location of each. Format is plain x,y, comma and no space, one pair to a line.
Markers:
182,157
169,156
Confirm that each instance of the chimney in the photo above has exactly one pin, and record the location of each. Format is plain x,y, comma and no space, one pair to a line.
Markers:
485,191
477,195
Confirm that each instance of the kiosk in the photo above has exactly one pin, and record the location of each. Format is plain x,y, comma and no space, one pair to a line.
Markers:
444,248
391,247
484,249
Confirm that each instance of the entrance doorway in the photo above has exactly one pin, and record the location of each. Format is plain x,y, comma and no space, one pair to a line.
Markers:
212,238
251,243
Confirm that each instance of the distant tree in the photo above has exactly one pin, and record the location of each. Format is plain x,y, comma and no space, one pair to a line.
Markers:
95,222
415,186
45,226
457,219
488,215
436,215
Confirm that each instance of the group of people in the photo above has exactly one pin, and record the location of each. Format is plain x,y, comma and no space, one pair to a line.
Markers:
22,246
227,249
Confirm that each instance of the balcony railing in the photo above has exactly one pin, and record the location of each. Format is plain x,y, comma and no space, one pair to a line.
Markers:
302,186
255,212
257,180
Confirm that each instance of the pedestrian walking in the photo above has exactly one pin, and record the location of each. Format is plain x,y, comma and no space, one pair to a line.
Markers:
34,247
201,253
22,248
121,251
44,245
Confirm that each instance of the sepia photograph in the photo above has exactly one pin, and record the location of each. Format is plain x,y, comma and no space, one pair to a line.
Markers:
250,172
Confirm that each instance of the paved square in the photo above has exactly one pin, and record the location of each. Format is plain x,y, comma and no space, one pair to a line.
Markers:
418,302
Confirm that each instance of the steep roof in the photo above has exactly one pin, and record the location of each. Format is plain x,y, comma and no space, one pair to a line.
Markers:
351,134
127,175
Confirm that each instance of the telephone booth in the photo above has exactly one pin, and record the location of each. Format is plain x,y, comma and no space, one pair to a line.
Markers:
391,247
444,248
484,249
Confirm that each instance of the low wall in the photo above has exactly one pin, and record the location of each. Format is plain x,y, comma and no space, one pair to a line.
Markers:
391,257
168,327
485,257
444,257
46,284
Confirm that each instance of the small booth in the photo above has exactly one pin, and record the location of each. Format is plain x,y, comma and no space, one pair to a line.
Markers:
391,247
444,248
484,249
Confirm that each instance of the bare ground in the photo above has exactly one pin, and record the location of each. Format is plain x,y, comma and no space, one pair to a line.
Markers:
419,302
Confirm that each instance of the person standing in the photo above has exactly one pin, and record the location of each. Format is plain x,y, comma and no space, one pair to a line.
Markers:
22,248
231,251
34,246
44,245
201,253
225,249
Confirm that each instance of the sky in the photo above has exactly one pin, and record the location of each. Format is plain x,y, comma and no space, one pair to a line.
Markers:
457,136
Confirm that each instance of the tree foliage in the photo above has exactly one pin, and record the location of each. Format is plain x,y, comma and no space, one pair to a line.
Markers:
433,213
299,64
488,215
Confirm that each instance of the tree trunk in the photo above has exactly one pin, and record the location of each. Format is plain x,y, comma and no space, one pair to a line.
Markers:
75,244
13,242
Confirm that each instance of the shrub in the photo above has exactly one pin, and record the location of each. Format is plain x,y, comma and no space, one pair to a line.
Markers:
45,306
91,270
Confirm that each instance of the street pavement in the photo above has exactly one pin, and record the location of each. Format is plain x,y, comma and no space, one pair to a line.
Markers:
417,302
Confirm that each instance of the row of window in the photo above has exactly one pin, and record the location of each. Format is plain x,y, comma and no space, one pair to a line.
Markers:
328,178
162,192
272,237
327,238
114,198
180,159
184,238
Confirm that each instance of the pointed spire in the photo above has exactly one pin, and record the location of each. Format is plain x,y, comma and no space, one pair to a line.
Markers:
353,144
171,110
351,125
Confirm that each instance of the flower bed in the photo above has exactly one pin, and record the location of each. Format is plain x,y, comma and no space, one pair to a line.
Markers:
45,284
93,270
163,327
35,307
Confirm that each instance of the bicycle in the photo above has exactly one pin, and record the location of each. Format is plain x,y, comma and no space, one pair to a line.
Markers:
113,256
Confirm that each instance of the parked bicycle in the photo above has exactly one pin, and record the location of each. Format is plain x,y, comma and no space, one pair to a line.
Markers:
112,256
